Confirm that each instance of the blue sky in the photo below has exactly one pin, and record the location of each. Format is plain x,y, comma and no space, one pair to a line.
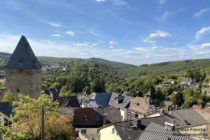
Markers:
130,31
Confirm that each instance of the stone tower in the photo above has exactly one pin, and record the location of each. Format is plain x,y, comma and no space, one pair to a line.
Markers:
23,71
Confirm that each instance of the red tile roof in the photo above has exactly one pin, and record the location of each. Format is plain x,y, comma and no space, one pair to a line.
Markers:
197,107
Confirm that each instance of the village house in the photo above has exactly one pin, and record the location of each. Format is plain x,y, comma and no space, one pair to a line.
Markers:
122,102
136,130
142,107
155,131
205,113
186,122
185,81
99,100
127,130
5,113
86,121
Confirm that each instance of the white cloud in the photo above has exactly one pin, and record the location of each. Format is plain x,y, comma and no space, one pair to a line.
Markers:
71,33
167,14
201,12
56,35
202,32
95,33
115,2
85,44
51,23
54,24
159,33
119,2
200,50
100,0
150,41
112,44
162,1
205,45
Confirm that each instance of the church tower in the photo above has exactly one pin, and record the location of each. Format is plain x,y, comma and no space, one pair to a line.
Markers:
23,71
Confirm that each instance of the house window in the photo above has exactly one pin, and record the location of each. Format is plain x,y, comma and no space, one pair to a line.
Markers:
18,90
136,115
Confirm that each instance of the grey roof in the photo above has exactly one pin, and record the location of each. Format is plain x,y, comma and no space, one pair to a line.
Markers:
155,131
184,118
6,108
124,103
112,114
23,57
127,132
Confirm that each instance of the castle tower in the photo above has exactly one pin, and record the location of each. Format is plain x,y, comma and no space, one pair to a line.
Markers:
23,71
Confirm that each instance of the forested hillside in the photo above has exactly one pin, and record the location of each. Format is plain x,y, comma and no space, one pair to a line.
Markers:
169,68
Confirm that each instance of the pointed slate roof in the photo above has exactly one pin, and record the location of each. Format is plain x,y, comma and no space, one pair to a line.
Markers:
23,57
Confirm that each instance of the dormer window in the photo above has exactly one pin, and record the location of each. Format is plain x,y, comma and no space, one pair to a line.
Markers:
120,99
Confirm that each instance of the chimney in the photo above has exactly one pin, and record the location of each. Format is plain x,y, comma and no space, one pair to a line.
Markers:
161,111
136,123
169,126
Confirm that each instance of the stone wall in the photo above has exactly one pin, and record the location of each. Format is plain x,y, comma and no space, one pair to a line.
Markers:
25,81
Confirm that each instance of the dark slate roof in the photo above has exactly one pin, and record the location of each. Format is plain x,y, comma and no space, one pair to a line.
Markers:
6,108
127,131
119,101
155,131
23,57
70,101
102,99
